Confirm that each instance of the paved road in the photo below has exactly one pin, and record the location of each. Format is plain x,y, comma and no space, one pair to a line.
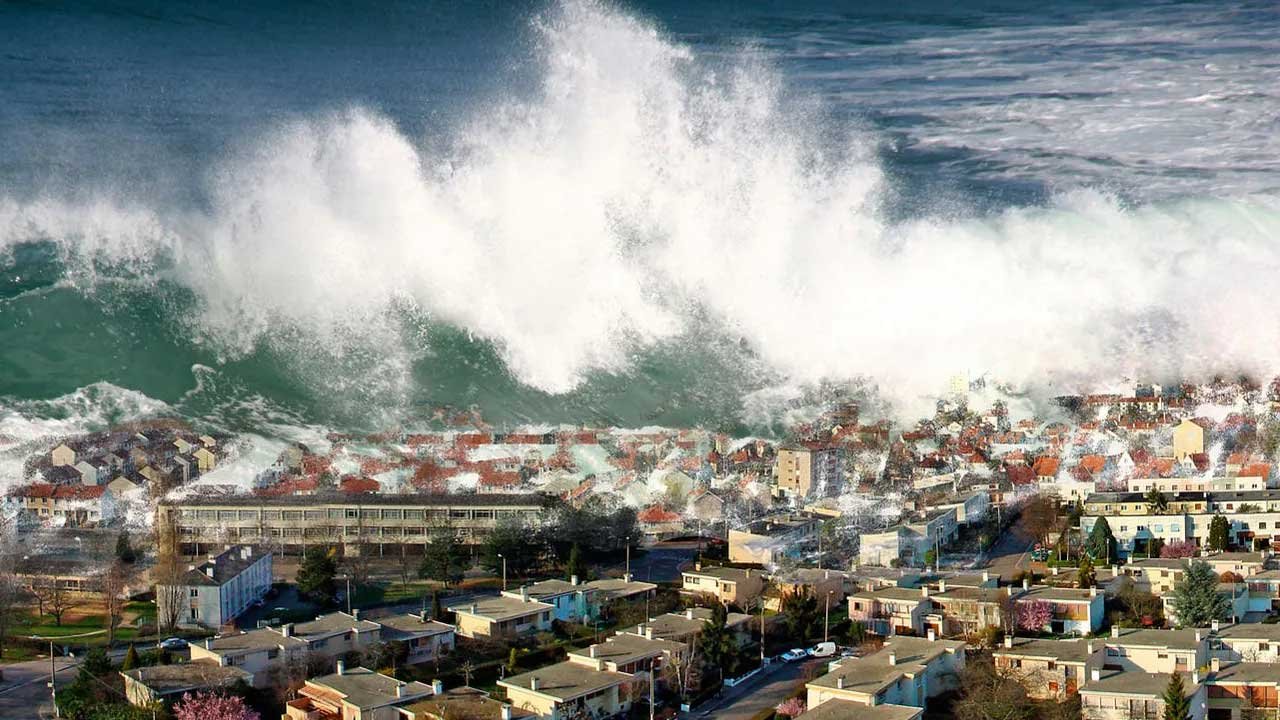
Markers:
766,690
1010,553
24,693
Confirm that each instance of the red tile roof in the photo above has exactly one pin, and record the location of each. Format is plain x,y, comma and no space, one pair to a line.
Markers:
655,514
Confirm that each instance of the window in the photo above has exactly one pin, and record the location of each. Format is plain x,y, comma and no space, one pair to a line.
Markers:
1053,666
195,593
412,514
195,613
390,514
353,513
292,514
1175,528
335,513
314,514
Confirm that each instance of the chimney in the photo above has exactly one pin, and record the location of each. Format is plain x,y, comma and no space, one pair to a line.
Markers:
1095,675
342,668
840,682
524,593
893,658
1093,592
286,630
986,576
688,613
1215,664
535,683
1197,635
573,579
1115,631
626,578
1088,647
399,690
591,651
1008,641
924,591
1026,584
190,568
1055,569
1008,590
355,614
826,574
1195,676
933,634
1214,625
648,633
208,643
506,712
697,567
424,616
942,585
474,608
437,687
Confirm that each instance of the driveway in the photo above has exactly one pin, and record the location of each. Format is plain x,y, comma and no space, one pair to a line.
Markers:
765,690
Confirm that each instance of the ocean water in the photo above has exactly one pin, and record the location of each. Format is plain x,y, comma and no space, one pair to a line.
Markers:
338,215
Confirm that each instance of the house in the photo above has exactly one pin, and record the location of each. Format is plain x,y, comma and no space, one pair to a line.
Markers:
462,702
800,470
145,686
686,625
217,591
631,653
1155,651
1049,669
825,585
850,710
732,586
1120,695
769,540
355,694
425,638
1242,690
503,617
910,541
62,455
891,610
1246,642
963,611
624,588
906,671
270,653
1188,439
573,601
658,522
205,459
1075,611
705,506
569,689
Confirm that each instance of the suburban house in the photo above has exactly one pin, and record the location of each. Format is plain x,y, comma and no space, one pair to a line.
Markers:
215,592
1075,611
687,624
503,617
1155,651
355,694
770,539
462,702
623,588
1242,690
575,688
630,653
268,652
1188,439
1121,695
425,638
1049,669
145,686
909,541
963,610
891,610
850,710
733,586
573,601
906,671
1246,642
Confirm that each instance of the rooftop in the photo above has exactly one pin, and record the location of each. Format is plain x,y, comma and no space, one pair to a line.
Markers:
464,703
500,607
730,574
402,627
871,673
1073,651
1252,673
780,524
849,710
626,649
170,679
331,624
415,500
565,681
616,588
1138,637
679,625
552,588
1123,682
224,567
365,688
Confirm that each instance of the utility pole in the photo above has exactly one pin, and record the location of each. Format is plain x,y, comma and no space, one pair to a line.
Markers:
348,594
53,688
762,631
627,574
653,680
826,618
503,558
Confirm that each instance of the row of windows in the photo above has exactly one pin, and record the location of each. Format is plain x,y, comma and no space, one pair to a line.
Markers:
352,513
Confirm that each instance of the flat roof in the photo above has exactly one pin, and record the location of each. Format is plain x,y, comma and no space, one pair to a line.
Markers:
850,710
566,680
169,679
499,607
402,627
411,499
465,703
618,588
871,673
1072,651
1252,673
1184,639
365,688
625,649
1124,682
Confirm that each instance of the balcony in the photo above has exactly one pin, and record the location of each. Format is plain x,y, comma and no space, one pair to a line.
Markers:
304,708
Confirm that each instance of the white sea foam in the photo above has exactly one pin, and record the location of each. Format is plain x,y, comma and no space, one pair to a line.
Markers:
643,195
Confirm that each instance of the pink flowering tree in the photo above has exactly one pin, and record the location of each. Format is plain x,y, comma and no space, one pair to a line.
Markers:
792,707
1033,616
1179,549
213,706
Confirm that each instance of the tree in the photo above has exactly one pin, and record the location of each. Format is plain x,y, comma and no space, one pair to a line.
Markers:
1040,517
1219,533
168,575
112,585
513,666
124,551
988,694
213,706
516,542
1195,599
404,564
1178,549
437,611
1033,616
52,595
316,575
444,558
1177,706
576,567
1086,577
1101,543
800,612
791,707
719,649
130,659
1157,503
10,600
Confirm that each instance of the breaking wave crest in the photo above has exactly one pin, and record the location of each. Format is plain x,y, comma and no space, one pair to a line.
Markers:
646,196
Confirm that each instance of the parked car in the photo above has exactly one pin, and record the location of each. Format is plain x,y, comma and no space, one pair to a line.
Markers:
794,654
174,644
821,650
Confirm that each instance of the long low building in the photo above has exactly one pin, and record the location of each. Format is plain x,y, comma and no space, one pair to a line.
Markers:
379,523
1253,515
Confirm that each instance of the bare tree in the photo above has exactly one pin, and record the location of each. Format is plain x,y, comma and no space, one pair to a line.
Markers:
404,564
10,597
52,595
112,585
168,576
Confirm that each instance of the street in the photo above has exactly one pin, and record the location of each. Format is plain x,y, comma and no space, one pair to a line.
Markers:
1009,554
766,690
24,692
